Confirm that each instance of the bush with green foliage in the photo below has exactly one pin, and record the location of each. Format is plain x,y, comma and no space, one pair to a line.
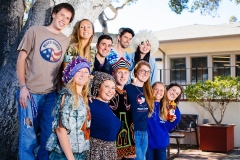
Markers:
213,95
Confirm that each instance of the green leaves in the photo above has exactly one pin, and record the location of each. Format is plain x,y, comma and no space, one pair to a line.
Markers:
219,89
206,7
217,94
178,6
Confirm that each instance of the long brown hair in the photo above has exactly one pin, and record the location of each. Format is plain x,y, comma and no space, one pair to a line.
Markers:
163,102
83,51
71,85
147,89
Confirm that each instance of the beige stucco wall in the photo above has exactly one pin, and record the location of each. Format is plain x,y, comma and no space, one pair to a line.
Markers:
201,45
231,116
228,45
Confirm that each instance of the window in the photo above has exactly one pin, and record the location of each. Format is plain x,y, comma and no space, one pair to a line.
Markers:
237,65
199,70
221,65
178,70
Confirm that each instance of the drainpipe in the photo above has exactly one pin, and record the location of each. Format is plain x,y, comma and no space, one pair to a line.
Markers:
164,54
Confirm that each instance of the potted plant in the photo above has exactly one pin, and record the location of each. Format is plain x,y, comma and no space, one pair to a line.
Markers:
214,95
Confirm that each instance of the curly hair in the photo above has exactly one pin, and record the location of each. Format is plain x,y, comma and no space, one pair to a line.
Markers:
84,51
144,36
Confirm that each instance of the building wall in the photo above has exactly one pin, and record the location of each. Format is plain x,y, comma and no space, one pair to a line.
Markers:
202,47
206,47
231,116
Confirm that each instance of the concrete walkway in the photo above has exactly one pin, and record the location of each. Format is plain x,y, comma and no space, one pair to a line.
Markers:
193,153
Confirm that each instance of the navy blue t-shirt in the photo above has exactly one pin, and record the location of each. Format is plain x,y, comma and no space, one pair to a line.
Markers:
104,124
139,107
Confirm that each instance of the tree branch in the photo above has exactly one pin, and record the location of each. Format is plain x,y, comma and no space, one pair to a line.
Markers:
114,10
103,23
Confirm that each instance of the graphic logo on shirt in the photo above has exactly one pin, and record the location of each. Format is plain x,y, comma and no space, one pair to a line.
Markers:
51,50
141,100
142,103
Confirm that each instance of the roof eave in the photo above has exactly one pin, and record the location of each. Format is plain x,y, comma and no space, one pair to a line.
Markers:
198,38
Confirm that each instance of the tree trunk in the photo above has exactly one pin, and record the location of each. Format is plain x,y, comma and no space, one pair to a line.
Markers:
11,12
89,9
38,15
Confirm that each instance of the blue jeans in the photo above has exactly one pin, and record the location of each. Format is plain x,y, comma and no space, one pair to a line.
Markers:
57,156
30,126
156,154
141,143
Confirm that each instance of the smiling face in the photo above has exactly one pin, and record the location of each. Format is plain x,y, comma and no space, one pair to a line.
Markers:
125,39
173,93
103,48
61,19
81,77
85,29
121,76
106,91
143,73
158,92
145,47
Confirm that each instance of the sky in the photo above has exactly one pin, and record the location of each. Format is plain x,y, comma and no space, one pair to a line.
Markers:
156,15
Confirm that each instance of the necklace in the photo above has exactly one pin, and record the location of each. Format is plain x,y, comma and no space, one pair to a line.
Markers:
138,89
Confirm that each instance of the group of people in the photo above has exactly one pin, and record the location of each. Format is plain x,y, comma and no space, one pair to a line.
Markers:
78,103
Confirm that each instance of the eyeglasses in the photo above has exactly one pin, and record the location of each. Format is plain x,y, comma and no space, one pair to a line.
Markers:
145,72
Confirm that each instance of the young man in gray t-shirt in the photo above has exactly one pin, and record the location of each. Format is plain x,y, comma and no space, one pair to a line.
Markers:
41,53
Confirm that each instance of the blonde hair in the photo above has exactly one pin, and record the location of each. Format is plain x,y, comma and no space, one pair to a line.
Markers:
72,86
83,51
163,102
147,89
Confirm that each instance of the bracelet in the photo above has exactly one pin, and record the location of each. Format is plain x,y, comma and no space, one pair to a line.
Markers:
22,86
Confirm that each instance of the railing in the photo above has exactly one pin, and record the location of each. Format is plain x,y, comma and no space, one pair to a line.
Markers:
185,76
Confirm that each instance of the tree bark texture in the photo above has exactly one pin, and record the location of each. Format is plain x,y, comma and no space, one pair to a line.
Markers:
85,9
11,16
11,35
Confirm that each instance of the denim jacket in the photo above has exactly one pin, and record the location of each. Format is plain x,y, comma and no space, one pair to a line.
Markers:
72,120
153,65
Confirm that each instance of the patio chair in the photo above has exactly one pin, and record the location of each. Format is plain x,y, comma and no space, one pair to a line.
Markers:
188,124
177,137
